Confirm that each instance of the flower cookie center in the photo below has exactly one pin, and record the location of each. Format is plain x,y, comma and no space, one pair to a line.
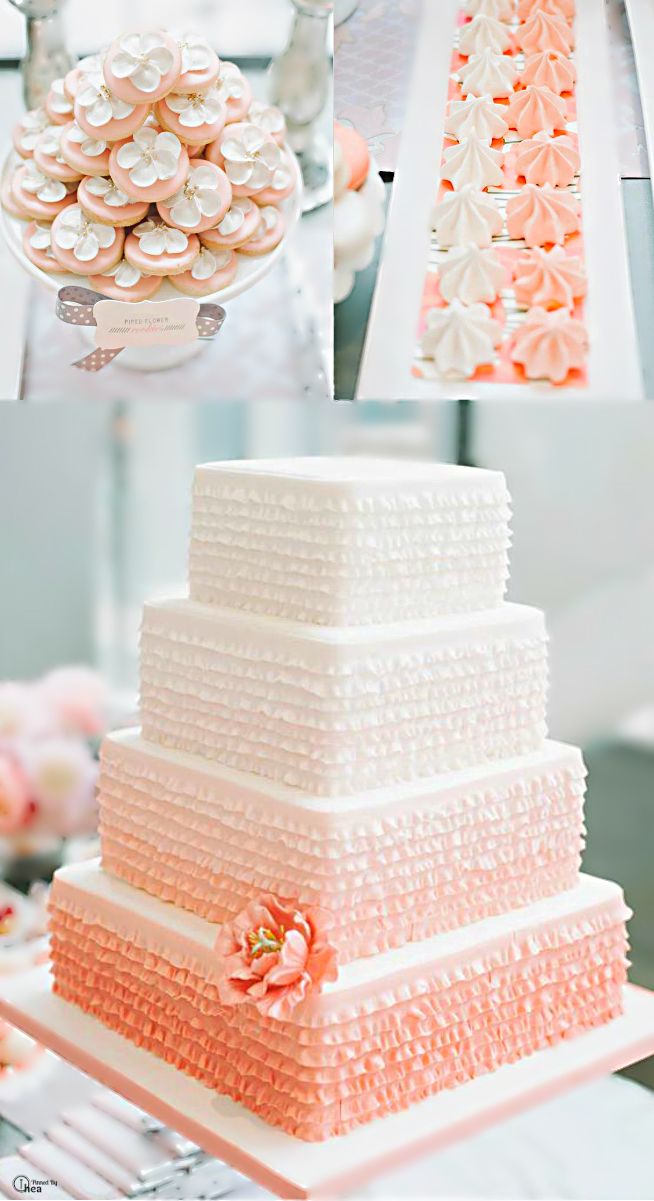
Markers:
265,942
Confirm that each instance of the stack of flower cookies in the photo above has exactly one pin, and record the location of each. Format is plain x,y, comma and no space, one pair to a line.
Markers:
151,161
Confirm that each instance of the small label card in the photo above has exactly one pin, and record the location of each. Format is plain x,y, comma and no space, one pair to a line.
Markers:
151,323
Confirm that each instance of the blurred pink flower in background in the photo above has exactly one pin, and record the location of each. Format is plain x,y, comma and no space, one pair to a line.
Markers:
14,796
78,698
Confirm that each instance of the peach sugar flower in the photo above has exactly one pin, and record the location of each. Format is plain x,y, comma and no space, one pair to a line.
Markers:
272,955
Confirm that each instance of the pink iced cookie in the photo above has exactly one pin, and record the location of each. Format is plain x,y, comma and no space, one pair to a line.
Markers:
49,159
211,271
125,282
83,246
28,131
87,155
58,105
250,158
235,90
270,119
195,117
157,249
37,244
102,114
283,185
103,201
240,223
142,67
150,166
200,64
9,201
41,198
201,202
272,227
92,62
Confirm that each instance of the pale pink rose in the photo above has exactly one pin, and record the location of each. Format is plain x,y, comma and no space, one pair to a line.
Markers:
78,697
14,796
273,956
62,775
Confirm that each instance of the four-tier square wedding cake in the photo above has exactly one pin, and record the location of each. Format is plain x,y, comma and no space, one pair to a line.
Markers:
340,860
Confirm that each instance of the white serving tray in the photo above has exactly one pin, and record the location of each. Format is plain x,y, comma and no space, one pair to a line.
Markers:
614,362
295,1169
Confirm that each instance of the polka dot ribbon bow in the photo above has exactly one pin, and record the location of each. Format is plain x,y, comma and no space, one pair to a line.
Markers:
75,306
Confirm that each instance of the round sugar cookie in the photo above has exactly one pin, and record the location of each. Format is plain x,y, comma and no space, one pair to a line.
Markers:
102,201
250,158
151,165
283,185
102,114
234,90
87,154
9,202
142,67
269,118
28,131
200,64
37,244
195,117
49,159
355,152
125,282
58,105
40,197
90,64
271,230
201,202
155,248
83,246
211,271
240,223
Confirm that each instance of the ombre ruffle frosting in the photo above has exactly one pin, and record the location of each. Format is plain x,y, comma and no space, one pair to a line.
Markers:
336,711
382,869
389,1032
407,542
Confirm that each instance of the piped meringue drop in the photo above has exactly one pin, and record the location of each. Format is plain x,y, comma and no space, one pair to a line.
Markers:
543,31
550,279
502,10
545,159
549,69
472,161
478,116
488,74
460,339
550,345
542,215
484,33
536,110
467,216
556,8
471,274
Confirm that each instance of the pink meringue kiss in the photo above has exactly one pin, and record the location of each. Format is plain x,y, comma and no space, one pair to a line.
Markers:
200,64
549,279
201,202
37,244
550,345
87,155
549,69
536,110
272,228
545,159
196,117
83,246
211,271
544,31
238,225
542,215
140,68
40,197
48,157
151,165
156,249
103,201
125,282
557,8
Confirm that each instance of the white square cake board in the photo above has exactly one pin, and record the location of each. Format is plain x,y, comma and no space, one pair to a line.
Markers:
285,1165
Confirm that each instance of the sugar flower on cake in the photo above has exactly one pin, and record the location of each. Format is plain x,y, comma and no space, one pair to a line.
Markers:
41,237
234,218
545,31
488,74
231,82
196,52
502,10
471,274
472,161
14,796
31,127
550,345
150,156
550,69
86,238
466,216
197,108
542,215
252,158
125,275
155,237
460,339
143,58
108,191
546,159
100,104
477,116
210,261
484,33
549,279
200,197
272,956
91,146
536,109
41,185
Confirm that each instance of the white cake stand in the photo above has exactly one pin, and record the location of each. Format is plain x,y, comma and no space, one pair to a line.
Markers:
157,358
295,1169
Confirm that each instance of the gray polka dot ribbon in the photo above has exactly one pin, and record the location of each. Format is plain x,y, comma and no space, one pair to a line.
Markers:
75,306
